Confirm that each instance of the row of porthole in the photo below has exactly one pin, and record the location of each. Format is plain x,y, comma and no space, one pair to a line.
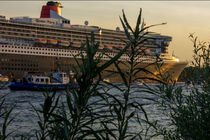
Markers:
46,52
20,69
42,49
49,53
35,52
30,65
40,52
36,48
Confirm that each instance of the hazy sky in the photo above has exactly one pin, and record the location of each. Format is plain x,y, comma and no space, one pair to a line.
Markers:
182,17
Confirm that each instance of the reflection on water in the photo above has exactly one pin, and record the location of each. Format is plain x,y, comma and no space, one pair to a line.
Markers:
25,122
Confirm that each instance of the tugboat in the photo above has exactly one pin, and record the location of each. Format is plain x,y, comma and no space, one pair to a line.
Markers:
58,81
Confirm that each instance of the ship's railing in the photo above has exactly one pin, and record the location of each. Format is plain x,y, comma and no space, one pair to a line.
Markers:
106,39
14,41
107,32
32,33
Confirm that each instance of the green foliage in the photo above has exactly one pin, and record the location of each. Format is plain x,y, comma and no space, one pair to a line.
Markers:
74,118
45,115
200,69
5,113
189,74
189,108
80,117
123,109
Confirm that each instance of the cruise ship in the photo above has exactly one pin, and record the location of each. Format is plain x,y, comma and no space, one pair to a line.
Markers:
49,44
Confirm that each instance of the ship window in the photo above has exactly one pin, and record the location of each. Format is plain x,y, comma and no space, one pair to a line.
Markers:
29,79
46,80
42,80
37,80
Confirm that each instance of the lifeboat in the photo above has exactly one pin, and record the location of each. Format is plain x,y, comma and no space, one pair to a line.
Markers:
101,47
39,40
147,51
118,47
115,47
53,42
77,46
121,47
64,43
108,47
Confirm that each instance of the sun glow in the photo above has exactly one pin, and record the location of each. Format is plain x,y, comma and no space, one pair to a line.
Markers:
177,59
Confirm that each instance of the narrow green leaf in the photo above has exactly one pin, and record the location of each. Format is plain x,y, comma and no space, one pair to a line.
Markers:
138,24
126,22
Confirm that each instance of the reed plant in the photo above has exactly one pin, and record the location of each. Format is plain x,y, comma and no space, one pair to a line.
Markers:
91,111
75,118
123,107
188,107
5,118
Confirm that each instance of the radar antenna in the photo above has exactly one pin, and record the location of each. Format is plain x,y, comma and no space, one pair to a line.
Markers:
117,28
86,22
